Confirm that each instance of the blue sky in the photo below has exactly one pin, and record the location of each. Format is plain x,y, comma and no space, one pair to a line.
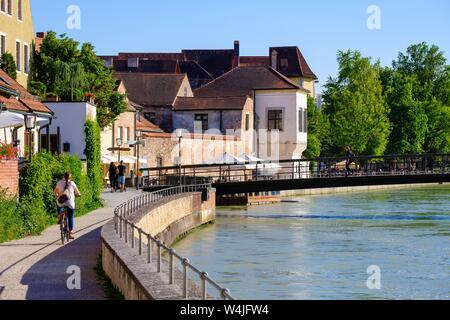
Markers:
319,28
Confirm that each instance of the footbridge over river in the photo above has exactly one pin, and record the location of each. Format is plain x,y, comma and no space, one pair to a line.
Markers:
330,172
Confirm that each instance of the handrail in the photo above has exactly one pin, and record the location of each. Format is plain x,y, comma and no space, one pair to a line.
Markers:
293,169
124,228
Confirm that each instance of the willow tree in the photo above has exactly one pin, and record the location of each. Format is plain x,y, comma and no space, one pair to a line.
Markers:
70,80
355,107
70,70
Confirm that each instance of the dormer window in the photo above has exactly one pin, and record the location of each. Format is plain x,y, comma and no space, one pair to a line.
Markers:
284,63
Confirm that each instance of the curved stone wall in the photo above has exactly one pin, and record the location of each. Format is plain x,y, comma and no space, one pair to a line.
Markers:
166,220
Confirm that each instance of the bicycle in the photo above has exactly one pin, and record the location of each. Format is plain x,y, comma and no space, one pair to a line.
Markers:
64,227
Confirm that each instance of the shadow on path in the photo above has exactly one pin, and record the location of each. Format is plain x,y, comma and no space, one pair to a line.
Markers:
47,279
45,245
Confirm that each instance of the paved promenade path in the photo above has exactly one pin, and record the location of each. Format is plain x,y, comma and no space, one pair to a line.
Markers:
35,268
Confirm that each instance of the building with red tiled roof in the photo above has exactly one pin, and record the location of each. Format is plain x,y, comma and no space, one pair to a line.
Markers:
156,93
204,65
16,103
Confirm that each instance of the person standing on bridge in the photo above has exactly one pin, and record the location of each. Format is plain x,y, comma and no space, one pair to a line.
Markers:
349,159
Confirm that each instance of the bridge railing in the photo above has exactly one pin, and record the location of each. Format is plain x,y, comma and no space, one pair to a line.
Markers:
325,167
130,233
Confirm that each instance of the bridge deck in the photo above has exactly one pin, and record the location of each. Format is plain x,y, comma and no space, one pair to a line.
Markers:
331,182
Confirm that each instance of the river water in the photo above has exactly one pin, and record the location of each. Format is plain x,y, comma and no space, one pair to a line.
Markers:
320,247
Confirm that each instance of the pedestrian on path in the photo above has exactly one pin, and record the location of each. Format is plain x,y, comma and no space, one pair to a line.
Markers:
122,172
113,175
66,190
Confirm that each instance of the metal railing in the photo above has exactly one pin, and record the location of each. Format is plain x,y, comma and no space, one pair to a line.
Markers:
127,230
320,168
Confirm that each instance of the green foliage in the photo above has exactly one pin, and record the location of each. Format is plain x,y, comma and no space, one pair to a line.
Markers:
8,65
406,114
318,127
64,68
354,105
11,224
427,98
93,159
37,203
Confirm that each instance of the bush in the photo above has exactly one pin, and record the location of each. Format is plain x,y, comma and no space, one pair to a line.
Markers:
37,203
11,223
93,159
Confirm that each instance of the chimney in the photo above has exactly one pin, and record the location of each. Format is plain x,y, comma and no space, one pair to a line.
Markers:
236,48
274,59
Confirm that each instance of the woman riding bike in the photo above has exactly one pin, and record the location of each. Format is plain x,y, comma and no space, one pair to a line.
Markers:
66,190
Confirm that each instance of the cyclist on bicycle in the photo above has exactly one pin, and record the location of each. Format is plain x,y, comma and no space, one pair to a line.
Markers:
68,188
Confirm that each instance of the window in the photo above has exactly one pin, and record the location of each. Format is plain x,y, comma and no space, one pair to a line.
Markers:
305,120
2,44
120,133
26,58
150,116
247,122
20,10
3,6
159,162
127,135
284,63
275,120
18,56
300,120
201,122
10,7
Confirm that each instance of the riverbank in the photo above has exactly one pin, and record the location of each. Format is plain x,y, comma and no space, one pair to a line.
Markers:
322,191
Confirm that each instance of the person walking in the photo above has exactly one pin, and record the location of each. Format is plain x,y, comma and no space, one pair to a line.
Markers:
349,159
112,171
65,191
122,172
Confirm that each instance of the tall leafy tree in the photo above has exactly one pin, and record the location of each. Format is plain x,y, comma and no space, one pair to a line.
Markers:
428,65
317,130
355,107
8,65
71,71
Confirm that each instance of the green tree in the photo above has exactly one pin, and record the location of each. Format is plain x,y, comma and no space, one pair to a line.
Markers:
317,130
407,115
70,71
355,107
428,65
8,65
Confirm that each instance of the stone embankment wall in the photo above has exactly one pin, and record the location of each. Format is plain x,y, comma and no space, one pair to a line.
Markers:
165,220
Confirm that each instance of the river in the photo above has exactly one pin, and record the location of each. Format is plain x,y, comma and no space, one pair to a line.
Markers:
320,247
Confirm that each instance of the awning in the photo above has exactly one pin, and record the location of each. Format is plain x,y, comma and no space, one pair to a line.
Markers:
226,158
108,158
10,119
264,168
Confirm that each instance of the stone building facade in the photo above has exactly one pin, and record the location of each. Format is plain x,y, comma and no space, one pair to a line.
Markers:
17,35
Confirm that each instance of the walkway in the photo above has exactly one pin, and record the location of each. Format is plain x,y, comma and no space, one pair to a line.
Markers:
35,268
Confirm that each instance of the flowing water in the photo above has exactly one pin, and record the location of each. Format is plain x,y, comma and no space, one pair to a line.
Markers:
320,247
